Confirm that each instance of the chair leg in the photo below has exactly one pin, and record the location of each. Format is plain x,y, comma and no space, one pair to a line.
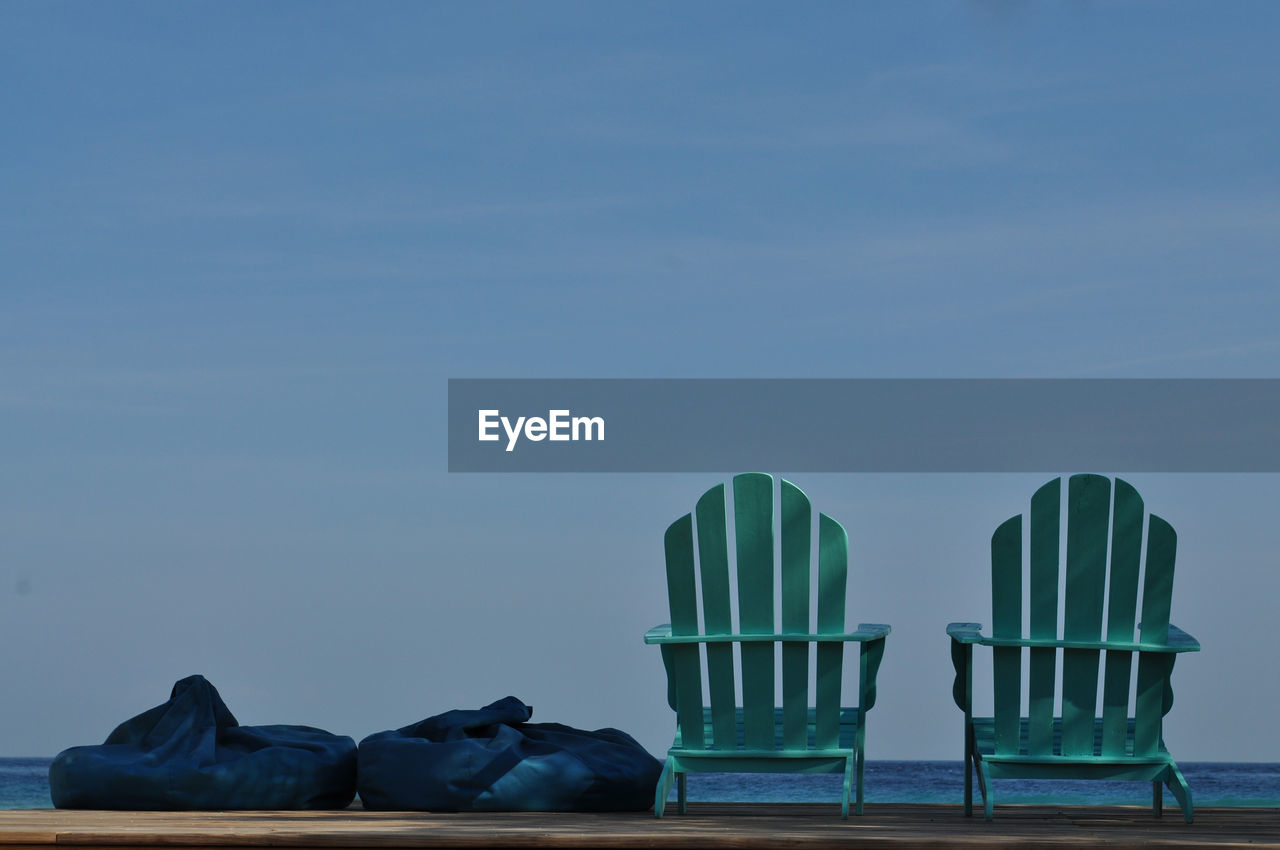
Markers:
968,787
1157,798
862,769
844,795
976,767
1181,791
988,793
663,790
681,795
968,773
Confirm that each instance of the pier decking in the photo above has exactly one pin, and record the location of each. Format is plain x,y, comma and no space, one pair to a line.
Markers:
707,825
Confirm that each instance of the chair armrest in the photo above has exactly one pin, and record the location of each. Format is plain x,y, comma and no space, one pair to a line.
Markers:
1168,647
971,633
965,632
657,633
870,632
652,636
870,635
963,637
1182,641
866,632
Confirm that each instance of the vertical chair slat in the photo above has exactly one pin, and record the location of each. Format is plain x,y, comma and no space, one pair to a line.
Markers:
713,560
682,594
1006,622
796,539
1153,668
1088,518
833,567
1046,513
1157,588
1126,555
753,529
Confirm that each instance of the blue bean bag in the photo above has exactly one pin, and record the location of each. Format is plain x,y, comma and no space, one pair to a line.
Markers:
190,753
493,759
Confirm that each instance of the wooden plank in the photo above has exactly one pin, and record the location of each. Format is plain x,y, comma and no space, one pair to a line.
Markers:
833,568
1042,676
685,661
848,727
1157,586
753,532
1153,670
707,825
796,544
1006,621
713,561
1126,556
1088,520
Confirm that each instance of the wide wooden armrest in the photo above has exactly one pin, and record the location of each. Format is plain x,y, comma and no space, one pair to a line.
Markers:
965,632
657,633
1179,641
870,631
866,632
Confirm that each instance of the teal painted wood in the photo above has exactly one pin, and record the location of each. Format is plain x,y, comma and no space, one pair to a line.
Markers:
795,612
1126,558
1153,671
713,560
984,732
833,565
818,735
1042,674
1006,622
753,528
1157,588
847,726
1088,512
682,598
661,635
1103,562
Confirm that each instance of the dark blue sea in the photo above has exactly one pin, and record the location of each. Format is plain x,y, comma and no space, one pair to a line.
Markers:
24,784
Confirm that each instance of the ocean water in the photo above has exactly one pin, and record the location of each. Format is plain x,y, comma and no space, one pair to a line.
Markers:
1212,784
24,784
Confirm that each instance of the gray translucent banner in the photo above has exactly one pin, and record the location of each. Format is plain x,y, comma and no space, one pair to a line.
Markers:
864,425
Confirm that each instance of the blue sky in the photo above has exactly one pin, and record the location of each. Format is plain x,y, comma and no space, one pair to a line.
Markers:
245,245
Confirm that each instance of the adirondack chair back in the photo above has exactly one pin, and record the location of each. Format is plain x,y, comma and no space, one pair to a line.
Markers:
1104,552
753,534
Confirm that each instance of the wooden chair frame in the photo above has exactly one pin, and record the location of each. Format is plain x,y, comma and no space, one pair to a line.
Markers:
759,736
1078,744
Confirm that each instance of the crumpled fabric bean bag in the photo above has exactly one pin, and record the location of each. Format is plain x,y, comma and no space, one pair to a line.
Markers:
494,760
190,753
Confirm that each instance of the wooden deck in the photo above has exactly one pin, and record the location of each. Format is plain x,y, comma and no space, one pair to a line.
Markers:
707,825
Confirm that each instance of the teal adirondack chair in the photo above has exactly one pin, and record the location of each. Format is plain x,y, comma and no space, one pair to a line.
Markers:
758,736
1080,743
